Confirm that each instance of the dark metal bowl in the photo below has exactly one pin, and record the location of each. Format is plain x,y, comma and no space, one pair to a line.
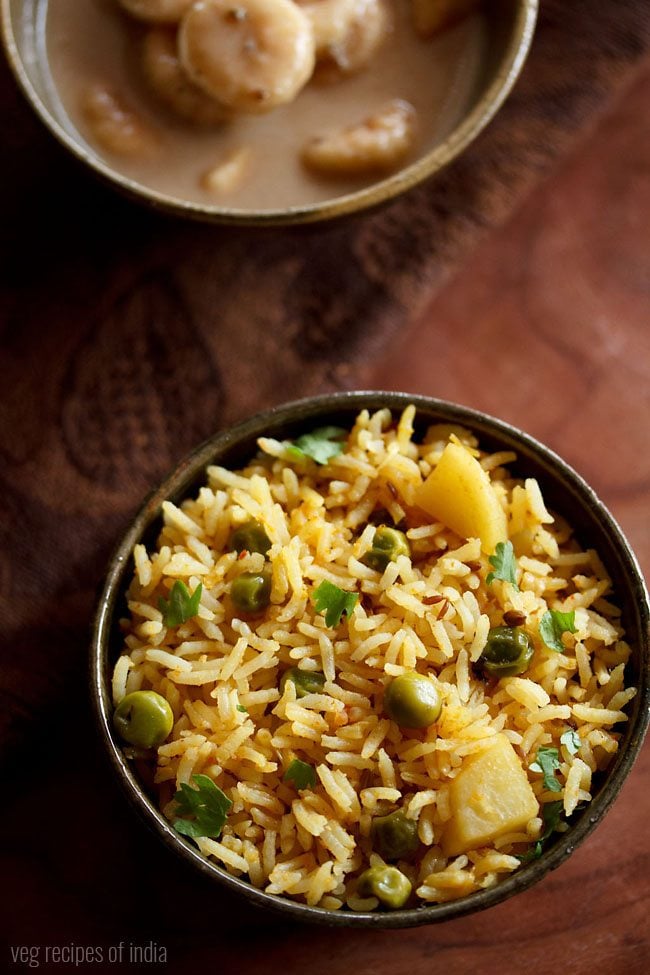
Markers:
510,25
563,489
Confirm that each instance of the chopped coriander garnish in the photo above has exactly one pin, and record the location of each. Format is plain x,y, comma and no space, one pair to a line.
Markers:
551,815
301,774
180,607
571,741
553,624
504,564
240,707
207,803
332,601
320,444
548,762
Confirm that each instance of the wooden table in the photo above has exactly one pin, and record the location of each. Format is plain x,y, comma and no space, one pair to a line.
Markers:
542,320
548,326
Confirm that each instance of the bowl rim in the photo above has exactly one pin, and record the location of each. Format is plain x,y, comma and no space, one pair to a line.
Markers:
297,412
460,137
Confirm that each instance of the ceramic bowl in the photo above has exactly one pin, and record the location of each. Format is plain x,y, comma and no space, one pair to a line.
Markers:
508,28
564,491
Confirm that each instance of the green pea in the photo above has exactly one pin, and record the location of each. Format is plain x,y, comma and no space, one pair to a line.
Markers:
143,718
251,591
394,836
387,544
305,681
250,537
388,884
508,651
412,701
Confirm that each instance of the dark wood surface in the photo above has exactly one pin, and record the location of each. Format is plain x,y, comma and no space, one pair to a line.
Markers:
519,282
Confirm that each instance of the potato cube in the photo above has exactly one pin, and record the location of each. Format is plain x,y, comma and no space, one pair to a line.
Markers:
458,492
490,796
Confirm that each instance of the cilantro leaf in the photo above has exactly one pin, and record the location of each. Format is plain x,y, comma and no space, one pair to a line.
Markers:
551,815
548,763
180,607
534,853
571,741
240,707
301,774
504,564
553,624
332,601
208,804
320,444
188,827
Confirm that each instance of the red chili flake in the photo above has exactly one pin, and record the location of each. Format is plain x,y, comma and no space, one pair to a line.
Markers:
243,554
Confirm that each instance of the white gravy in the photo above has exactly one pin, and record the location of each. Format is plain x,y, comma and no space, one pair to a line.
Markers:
91,41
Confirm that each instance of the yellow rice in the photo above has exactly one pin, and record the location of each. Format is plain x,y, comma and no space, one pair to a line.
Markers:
313,844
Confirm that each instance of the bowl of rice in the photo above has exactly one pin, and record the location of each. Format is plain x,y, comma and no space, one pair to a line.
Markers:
372,659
